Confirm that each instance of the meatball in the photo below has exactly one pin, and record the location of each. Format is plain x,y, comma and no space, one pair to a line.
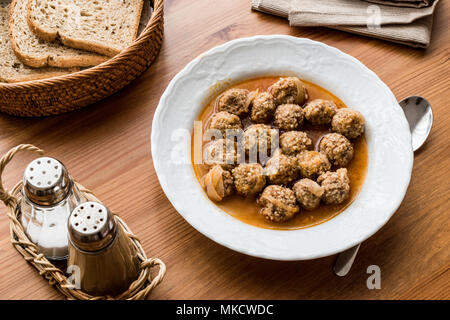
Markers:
336,186
282,169
278,203
260,138
293,142
289,117
222,152
348,122
337,148
225,122
218,183
263,107
308,193
235,101
249,179
320,112
289,90
313,164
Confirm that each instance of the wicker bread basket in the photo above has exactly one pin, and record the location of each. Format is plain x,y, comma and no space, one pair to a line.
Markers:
69,92
138,290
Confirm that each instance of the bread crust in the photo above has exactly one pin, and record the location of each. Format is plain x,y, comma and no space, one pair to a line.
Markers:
92,46
31,77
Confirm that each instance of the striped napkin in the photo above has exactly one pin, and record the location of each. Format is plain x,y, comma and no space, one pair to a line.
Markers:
409,23
404,3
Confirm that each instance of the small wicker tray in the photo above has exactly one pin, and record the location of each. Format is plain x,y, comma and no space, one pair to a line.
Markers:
76,90
138,290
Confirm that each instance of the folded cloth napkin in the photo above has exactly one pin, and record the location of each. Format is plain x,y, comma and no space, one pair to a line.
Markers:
410,26
404,3
351,12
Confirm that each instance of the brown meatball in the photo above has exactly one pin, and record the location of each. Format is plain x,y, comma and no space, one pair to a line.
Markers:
308,193
260,138
336,186
282,169
289,90
278,203
289,117
348,122
337,148
226,123
222,152
218,183
263,107
313,164
249,179
320,112
235,101
294,142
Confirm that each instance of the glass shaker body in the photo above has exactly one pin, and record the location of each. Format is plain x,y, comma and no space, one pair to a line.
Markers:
48,197
106,260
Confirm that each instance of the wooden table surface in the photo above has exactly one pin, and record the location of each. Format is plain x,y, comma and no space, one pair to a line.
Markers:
107,148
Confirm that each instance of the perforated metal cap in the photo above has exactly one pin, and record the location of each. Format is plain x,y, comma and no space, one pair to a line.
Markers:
46,181
91,226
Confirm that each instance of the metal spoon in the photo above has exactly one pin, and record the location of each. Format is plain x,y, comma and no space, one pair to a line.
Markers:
420,118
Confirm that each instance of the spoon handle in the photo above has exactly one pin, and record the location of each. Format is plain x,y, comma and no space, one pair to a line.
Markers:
344,261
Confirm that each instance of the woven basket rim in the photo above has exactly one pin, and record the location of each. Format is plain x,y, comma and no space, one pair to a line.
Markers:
157,15
138,290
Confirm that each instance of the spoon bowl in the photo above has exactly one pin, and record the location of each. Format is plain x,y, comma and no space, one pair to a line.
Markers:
419,114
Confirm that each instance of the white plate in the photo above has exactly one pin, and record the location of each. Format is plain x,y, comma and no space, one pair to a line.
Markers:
387,133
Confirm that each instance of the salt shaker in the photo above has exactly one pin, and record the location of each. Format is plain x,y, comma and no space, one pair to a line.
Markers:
106,259
48,197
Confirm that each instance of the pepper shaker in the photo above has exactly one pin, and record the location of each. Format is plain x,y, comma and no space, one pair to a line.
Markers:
106,259
48,197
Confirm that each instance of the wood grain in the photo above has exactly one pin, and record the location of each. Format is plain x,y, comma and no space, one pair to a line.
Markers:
107,148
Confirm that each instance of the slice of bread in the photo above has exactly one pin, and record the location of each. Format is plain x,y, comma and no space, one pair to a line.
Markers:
11,69
103,26
37,53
